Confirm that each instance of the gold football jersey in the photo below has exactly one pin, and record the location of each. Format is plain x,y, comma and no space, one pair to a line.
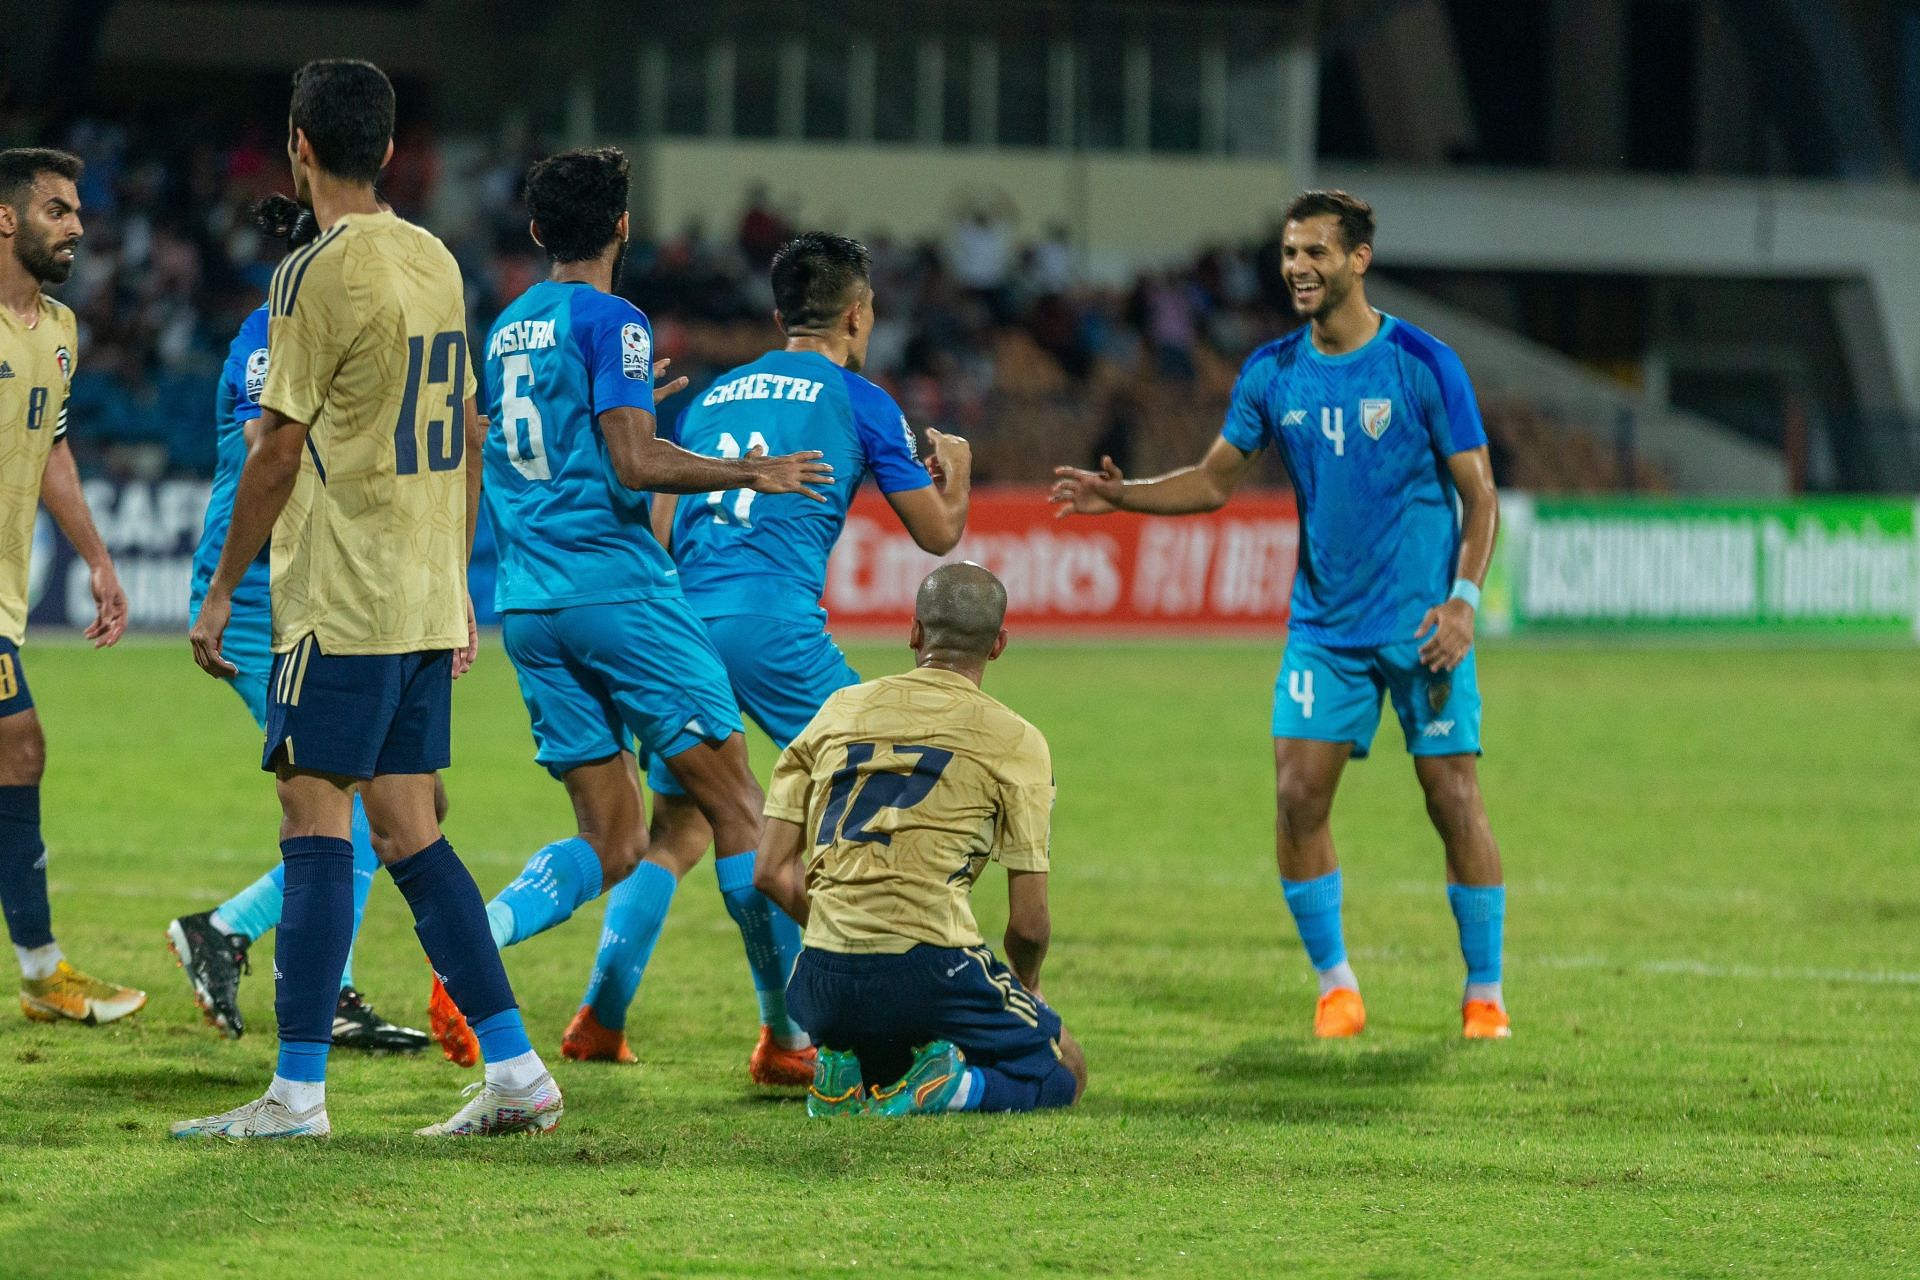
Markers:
36,371
904,787
367,343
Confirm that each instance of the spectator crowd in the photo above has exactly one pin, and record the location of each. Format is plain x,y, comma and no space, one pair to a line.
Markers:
980,332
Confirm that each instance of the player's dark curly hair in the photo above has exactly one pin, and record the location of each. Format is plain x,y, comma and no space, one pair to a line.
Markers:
345,107
575,200
21,165
1354,214
282,218
815,276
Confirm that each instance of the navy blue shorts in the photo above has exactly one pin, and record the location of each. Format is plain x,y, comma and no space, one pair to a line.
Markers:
15,697
882,1006
359,715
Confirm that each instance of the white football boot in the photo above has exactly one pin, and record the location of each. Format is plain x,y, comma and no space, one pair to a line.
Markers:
264,1117
497,1111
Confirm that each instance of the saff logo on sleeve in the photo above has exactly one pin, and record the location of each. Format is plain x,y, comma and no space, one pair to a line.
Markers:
64,358
636,352
1375,417
256,373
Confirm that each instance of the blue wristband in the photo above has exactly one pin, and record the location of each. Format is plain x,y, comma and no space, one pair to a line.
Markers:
1466,589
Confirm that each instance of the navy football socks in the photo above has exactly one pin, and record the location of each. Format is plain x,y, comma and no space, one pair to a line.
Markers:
23,869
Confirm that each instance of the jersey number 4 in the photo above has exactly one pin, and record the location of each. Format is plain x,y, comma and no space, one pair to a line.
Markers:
740,509
882,791
444,365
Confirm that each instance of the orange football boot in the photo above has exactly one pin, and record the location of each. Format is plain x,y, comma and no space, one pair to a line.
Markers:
1339,1014
770,1064
587,1041
1484,1020
449,1027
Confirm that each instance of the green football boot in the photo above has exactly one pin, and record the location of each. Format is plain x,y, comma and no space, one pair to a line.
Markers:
937,1073
837,1089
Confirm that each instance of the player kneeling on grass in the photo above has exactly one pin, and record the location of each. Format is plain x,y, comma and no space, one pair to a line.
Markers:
882,814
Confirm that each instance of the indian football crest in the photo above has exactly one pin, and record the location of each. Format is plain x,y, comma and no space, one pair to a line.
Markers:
636,351
1375,417
64,358
1438,691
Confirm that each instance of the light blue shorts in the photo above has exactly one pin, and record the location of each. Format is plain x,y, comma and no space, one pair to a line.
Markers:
601,678
781,671
1333,695
248,645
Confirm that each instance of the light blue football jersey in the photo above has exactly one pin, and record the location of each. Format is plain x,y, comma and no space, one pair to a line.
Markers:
569,532
1365,437
742,552
236,403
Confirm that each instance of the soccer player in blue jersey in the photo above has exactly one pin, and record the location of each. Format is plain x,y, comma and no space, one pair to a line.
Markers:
212,945
610,658
1380,433
754,568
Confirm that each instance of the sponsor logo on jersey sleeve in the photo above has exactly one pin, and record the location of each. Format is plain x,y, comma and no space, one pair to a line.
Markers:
256,373
636,352
64,358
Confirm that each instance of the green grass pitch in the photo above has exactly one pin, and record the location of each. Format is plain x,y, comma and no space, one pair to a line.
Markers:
1713,964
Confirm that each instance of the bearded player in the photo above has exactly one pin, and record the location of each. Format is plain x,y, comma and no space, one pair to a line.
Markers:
39,234
1381,436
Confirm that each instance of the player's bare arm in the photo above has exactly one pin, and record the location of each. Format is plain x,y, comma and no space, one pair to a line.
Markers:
476,428
266,482
664,506
780,871
1205,486
936,515
1451,622
1029,926
66,502
643,461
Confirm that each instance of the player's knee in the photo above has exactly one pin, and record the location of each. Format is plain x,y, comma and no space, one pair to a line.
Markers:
1303,804
1453,800
619,855
1074,1059
25,763
439,799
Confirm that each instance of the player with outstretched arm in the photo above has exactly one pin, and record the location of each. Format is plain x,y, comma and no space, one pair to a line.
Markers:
1381,435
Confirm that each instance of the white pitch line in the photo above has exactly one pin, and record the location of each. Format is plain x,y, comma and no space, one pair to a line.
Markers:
1746,972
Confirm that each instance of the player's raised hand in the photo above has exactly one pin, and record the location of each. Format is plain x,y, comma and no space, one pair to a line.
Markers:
110,606
207,631
1452,626
1079,492
952,460
790,472
463,657
662,390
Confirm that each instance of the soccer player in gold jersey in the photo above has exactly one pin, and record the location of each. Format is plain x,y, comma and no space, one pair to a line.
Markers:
881,816
39,236
365,471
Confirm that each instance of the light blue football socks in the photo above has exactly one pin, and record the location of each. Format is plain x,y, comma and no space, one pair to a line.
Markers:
1315,905
1481,913
772,941
636,912
557,881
